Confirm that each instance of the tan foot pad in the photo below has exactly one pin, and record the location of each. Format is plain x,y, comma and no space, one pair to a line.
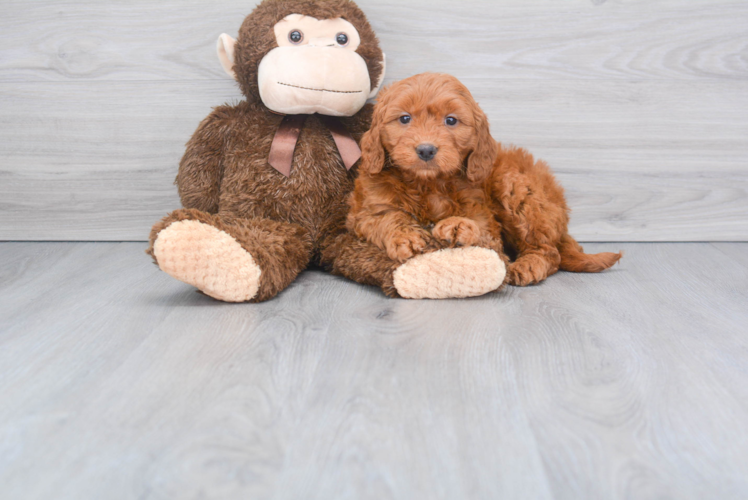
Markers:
450,273
209,259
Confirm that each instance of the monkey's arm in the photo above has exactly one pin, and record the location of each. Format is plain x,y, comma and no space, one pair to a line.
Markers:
201,168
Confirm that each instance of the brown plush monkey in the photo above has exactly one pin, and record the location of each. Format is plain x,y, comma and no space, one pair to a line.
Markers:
264,183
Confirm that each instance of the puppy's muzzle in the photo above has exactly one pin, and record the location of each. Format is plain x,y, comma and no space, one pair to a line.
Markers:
426,152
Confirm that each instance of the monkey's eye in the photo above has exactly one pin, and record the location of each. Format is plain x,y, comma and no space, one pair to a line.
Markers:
342,39
451,121
405,119
296,36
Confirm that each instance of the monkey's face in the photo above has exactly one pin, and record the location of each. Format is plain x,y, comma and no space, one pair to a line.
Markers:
305,56
315,68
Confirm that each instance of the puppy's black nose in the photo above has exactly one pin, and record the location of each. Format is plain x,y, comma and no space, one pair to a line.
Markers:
426,151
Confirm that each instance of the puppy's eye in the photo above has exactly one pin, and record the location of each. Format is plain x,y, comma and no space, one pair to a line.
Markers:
296,36
405,119
451,121
342,39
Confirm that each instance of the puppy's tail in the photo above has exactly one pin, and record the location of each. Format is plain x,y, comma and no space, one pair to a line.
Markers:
575,260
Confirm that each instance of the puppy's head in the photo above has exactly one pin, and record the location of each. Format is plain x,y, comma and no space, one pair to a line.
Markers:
430,126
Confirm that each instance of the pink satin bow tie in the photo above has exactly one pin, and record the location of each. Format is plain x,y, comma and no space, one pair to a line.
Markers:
284,142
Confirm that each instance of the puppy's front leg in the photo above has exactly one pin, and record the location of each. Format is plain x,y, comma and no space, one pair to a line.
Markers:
476,227
392,230
405,242
457,231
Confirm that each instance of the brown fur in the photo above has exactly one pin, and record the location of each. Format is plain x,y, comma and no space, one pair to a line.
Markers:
359,260
405,205
473,192
225,180
530,204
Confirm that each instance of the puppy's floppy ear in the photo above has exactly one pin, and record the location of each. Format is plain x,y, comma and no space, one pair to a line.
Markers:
372,150
480,162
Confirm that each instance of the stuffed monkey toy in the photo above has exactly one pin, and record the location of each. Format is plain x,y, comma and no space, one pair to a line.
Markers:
264,183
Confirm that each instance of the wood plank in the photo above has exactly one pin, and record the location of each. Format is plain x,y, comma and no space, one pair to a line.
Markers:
96,160
735,254
638,331
538,39
119,382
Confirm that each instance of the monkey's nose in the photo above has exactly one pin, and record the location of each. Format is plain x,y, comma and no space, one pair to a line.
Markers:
426,152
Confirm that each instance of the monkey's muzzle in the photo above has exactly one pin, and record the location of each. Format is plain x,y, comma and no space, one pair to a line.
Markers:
303,80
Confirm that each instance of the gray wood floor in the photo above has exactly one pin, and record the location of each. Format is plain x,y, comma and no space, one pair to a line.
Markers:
118,382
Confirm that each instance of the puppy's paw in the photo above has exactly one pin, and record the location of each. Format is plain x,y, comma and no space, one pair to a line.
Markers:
457,231
528,270
405,244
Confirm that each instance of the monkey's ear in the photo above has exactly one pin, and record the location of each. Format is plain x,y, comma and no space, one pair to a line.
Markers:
381,77
225,49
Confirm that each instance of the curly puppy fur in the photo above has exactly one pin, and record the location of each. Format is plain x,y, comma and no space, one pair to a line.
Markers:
471,191
405,204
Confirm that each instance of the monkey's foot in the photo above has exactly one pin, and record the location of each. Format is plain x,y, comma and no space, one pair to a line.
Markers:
450,273
209,259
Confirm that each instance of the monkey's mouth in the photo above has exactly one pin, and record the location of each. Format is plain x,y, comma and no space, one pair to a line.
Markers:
320,90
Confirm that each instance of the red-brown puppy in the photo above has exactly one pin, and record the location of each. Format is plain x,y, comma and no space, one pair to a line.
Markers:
423,171
431,175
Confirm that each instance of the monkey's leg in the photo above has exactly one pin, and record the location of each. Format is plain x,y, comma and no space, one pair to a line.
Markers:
446,273
230,259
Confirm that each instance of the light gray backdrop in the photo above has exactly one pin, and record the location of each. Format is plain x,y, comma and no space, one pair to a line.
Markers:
640,107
